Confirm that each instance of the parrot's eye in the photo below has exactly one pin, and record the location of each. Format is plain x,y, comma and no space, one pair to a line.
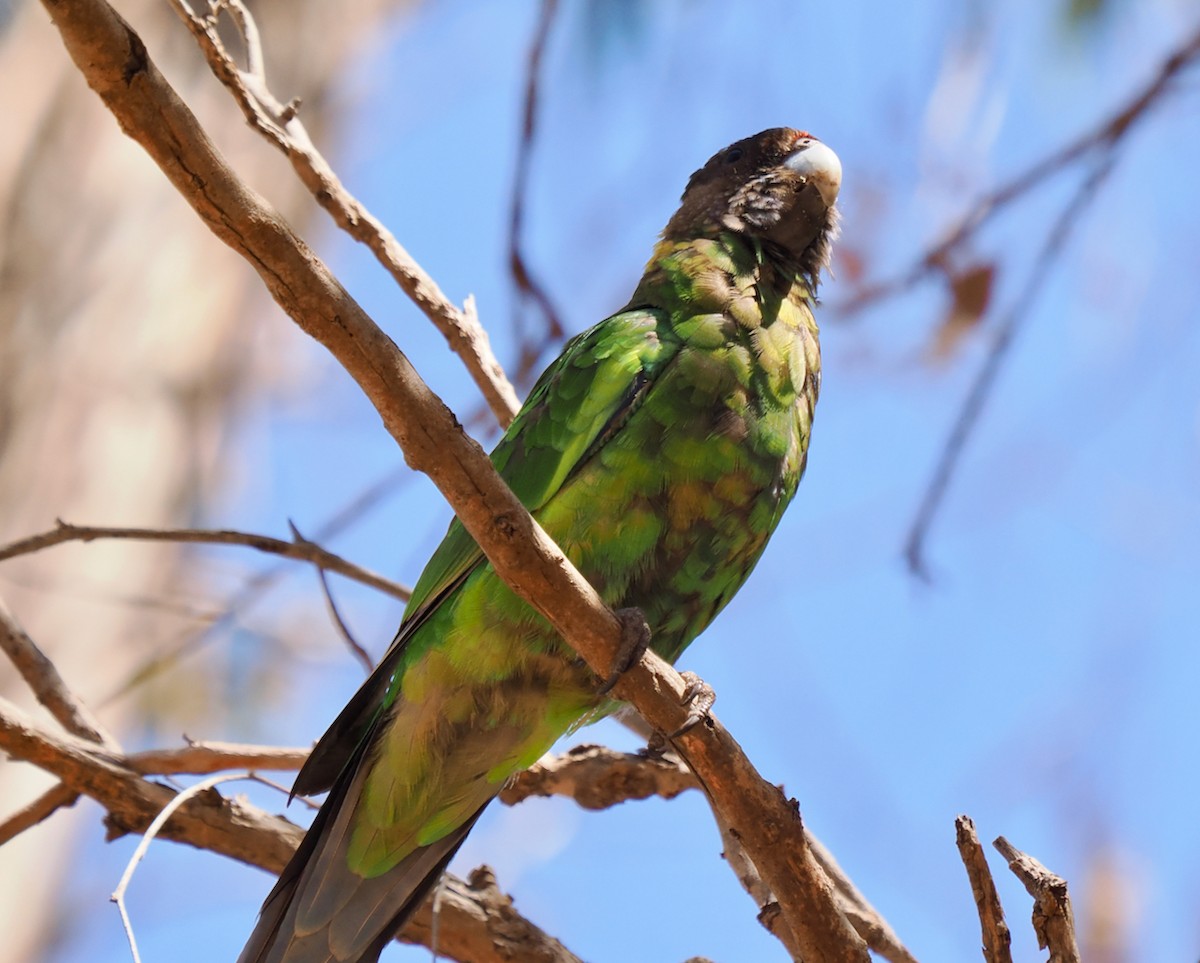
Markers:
733,155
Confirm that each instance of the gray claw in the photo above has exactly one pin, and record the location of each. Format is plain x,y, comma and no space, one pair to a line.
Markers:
635,639
699,697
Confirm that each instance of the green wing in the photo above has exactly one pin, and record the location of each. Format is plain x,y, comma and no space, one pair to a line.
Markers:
579,402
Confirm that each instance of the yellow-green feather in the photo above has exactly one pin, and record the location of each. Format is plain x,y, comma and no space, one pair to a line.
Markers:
659,451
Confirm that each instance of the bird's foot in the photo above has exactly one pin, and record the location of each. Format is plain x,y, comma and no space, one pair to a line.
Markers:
635,639
699,698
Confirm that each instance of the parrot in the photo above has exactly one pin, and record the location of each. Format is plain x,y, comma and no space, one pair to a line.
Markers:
659,451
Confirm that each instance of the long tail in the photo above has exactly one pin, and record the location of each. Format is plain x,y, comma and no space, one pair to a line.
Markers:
321,911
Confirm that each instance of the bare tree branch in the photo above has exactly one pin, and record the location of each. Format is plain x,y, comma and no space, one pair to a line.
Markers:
300,549
255,586
528,287
281,126
1102,145
1053,919
46,805
598,778
360,654
498,933
479,918
132,801
201,758
985,380
1106,137
997,940
43,678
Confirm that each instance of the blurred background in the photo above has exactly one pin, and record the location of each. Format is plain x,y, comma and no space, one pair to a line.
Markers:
1026,654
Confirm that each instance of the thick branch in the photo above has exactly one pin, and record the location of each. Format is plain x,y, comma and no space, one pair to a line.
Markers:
300,548
116,65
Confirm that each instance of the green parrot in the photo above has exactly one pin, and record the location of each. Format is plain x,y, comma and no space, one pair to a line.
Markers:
659,451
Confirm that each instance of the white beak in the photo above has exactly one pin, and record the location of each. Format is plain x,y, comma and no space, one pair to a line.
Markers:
820,167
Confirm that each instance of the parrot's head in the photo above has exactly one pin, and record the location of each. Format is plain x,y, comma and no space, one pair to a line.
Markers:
778,186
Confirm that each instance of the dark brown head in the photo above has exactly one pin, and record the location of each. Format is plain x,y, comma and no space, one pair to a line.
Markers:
778,186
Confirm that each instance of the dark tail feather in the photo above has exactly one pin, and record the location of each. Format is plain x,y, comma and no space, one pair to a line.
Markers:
322,912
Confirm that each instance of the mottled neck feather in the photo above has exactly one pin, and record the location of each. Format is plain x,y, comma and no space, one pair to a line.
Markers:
714,275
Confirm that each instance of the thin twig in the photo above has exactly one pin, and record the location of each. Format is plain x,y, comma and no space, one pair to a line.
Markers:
301,549
1105,136
1105,141
278,123
359,653
254,588
1053,919
199,758
985,379
528,287
355,647
46,805
43,678
997,940
118,895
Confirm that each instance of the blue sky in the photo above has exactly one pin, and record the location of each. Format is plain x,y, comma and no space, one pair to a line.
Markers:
1044,683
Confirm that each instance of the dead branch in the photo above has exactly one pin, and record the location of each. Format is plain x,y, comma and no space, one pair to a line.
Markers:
1101,147
281,126
529,288
132,801
46,805
1105,138
201,758
985,379
360,654
997,940
599,778
116,64
498,932
43,678
300,548
1053,919
477,918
